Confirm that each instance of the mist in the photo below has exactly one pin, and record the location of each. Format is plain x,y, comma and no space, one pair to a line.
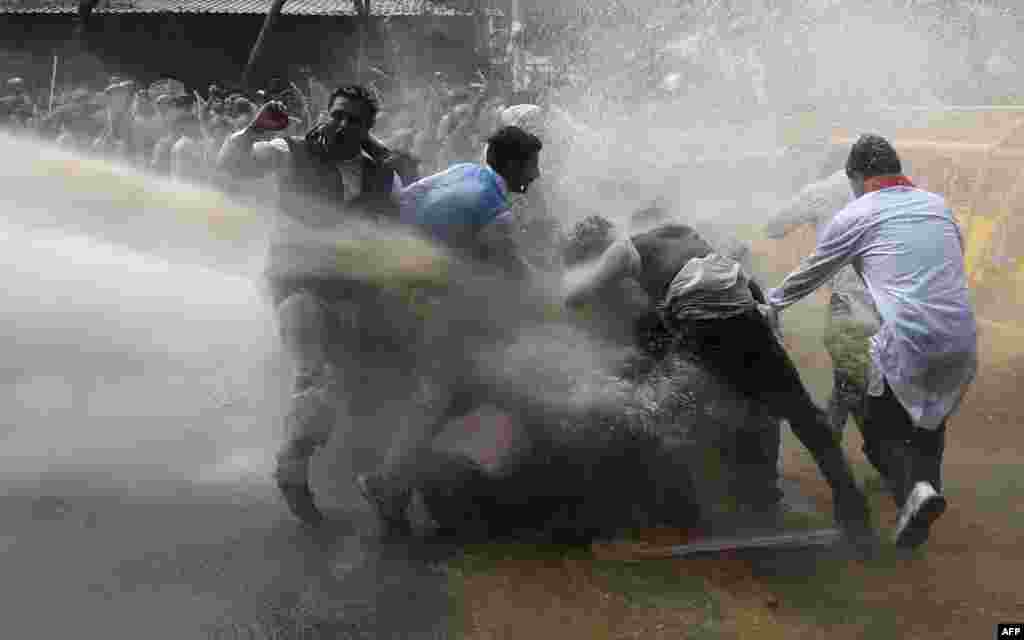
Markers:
703,105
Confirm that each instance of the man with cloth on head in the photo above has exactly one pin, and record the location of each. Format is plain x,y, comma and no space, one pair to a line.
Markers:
707,301
906,245
333,174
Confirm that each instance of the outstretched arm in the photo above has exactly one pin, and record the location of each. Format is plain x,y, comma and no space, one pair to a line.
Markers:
243,156
837,247
582,282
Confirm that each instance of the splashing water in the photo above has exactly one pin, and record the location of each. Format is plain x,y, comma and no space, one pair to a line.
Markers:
118,363
139,342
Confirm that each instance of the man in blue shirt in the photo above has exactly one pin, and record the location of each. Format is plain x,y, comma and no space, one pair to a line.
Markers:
464,208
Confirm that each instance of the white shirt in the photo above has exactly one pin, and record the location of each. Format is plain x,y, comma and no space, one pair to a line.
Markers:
907,246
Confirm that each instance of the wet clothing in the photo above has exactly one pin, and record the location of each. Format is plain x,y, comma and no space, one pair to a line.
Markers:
902,453
330,324
316,195
453,206
707,302
907,247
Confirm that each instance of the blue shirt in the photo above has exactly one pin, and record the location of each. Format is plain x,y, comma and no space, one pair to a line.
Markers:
454,205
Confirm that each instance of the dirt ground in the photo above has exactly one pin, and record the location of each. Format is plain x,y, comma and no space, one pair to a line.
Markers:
960,585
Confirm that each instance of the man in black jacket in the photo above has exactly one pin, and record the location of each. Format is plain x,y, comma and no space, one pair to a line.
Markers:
336,172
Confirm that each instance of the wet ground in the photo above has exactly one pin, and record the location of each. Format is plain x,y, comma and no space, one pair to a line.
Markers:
180,562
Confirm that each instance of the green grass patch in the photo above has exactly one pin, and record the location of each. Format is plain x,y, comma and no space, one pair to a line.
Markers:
828,593
645,585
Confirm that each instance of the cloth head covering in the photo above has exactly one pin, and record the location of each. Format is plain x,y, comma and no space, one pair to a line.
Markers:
528,117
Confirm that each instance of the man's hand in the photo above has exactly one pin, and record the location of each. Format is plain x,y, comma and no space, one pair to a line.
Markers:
273,116
771,315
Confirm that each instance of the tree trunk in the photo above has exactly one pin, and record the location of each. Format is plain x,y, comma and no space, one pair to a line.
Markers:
363,8
261,41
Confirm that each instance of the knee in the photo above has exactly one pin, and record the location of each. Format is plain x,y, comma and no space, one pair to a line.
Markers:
310,420
302,320
292,462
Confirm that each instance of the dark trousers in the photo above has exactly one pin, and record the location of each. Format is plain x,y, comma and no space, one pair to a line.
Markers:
902,453
745,352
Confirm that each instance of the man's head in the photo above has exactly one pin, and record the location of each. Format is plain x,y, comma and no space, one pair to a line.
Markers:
655,213
351,113
588,239
870,157
514,155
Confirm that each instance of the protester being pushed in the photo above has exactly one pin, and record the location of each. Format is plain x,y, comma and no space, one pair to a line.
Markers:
465,209
708,302
906,245
337,171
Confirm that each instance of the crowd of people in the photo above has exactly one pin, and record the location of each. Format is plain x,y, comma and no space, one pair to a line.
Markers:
174,130
460,170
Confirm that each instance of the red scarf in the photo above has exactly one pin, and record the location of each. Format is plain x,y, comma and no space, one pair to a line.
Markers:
884,182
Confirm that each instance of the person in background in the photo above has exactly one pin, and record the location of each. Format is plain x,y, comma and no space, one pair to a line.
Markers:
116,140
851,317
907,247
188,153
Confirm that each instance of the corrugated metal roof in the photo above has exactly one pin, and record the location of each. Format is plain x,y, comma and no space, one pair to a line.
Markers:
292,7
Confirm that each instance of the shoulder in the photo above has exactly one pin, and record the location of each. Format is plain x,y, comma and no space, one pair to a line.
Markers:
855,213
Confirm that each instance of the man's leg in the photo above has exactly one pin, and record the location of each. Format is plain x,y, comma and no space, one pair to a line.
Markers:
910,460
746,351
758,448
304,323
389,490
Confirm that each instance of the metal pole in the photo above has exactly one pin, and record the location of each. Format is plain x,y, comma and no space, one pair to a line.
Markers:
53,83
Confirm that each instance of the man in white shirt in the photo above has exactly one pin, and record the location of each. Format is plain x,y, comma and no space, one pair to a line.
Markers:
905,244
335,173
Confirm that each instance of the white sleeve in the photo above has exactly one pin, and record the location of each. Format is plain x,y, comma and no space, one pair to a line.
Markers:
837,246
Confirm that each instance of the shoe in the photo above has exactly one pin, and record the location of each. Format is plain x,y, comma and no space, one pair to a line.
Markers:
300,502
923,507
389,509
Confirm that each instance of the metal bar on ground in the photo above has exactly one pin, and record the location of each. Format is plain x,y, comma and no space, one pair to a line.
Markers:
801,539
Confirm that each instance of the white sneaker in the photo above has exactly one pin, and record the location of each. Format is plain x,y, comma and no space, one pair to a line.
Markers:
923,507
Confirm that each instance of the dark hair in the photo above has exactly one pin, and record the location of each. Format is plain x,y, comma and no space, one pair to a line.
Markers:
588,239
357,92
509,145
871,156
